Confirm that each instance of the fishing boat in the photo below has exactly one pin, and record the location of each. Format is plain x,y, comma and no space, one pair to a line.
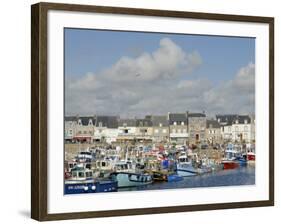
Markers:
82,181
185,167
104,167
127,176
229,161
251,156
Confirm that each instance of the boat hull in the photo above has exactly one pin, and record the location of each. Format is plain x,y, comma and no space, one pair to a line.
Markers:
251,157
174,178
230,165
186,170
125,179
71,187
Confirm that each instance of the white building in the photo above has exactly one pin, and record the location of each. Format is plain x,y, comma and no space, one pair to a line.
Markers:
106,129
237,128
127,130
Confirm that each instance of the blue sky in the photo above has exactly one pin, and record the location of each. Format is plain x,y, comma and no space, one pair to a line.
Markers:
93,50
220,61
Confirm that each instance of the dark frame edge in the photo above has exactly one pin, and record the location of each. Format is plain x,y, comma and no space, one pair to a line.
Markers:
38,112
271,111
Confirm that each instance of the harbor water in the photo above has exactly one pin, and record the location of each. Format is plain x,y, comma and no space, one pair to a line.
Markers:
234,177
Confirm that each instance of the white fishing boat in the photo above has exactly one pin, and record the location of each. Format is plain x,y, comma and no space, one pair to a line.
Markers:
184,166
126,176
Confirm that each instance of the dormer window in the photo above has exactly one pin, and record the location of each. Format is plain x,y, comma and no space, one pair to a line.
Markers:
79,122
175,123
182,123
246,121
100,124
236,122
160,125
219,120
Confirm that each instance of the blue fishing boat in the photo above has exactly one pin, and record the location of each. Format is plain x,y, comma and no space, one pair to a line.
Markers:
82,181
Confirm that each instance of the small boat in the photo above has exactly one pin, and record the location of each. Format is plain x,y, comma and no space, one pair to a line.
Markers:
251,156
185,167
82,181
126,175
230,161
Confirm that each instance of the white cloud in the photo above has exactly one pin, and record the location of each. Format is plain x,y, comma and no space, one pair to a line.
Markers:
157,83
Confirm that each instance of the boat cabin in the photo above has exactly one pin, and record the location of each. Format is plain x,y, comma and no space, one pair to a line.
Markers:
81,174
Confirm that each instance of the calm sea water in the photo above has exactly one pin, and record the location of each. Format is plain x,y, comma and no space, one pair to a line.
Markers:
239,176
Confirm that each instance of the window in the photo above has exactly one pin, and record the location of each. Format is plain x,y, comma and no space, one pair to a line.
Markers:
79,122
79,132
236,122
246,121
182,123
245,128
245,135
90,122
156,130
160,125
85,132
174,130
236,128
183,131
229,129
175,123
70,132
164,130
126,131
81,174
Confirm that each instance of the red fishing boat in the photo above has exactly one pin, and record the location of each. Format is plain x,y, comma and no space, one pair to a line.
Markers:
230,162
251,156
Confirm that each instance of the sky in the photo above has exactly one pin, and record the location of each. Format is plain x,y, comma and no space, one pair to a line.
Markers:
133,74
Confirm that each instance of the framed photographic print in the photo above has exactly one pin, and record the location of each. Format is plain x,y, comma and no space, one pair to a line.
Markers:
140,111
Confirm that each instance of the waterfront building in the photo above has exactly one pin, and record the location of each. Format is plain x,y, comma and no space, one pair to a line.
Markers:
178,128
70,123
242,129
237,128
226,121
160,125
84,129
144,130
106,129
213,132
127,130
197,127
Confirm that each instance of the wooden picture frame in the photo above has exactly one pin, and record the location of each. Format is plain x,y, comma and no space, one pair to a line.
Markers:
39,110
